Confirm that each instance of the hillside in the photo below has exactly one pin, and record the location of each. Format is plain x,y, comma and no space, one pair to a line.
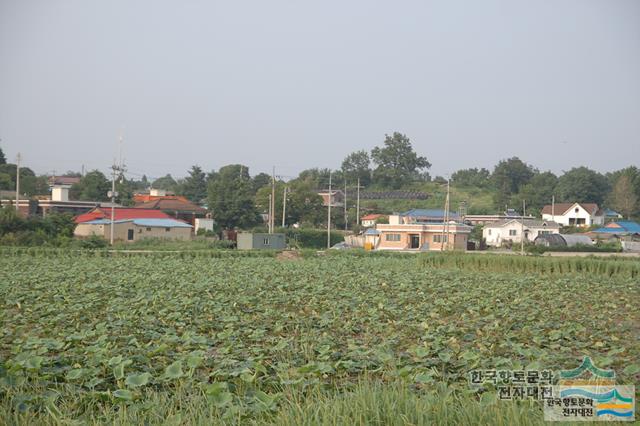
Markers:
478,200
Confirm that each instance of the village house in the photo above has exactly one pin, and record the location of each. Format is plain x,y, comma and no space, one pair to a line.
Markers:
510,231
484,219
176,207
120,213
574,214
131,230
622,228
427,215
408,232
370,220
131,225
336,197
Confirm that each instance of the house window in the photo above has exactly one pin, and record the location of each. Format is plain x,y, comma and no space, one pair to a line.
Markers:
439,238
577,210
129,234
489,232
392,237
513,232
265,241
167,229
148,229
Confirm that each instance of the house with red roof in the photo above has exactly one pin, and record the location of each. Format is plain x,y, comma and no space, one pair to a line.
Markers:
370,219
131,224
120,213
176,207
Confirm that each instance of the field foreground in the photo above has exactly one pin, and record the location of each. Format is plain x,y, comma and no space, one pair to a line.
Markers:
325,340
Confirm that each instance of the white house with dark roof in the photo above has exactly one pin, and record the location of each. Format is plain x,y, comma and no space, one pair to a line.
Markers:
574,214
511,230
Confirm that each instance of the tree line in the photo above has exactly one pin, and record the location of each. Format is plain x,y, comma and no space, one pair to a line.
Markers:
513,181
238,199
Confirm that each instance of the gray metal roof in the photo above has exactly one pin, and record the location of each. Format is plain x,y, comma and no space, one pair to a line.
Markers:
574,239
531,223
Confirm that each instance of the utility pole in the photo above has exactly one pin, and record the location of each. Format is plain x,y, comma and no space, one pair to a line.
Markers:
117,171
358,204
18,159
329,215
447,209
553,208
345,205
524,210
272,221
284,206
270,214
445,224
113,194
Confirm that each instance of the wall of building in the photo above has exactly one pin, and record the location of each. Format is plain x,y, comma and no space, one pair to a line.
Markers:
121,232
254,241
87,230
201,223
430,239
497,236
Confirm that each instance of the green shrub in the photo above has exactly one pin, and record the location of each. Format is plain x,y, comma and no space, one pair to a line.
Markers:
310,238
93,242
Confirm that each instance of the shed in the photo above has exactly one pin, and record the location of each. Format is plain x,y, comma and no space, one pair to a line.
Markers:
256,241
562,240
577,239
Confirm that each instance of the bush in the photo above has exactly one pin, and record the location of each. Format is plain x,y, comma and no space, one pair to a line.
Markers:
579,248
53,230
93,242
302,238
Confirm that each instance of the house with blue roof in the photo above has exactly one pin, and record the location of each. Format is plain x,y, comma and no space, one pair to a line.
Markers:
135,229
621,227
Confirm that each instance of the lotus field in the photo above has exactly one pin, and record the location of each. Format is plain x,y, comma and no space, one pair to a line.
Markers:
170,338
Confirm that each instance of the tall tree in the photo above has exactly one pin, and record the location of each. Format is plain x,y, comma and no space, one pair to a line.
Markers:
318,178
508,177
304,205
623,197
582,185
632,172
166,182
357,166
396,162
510,174
231,198
3,159
94,186
194,186
471,177
30,184
537,192
260,180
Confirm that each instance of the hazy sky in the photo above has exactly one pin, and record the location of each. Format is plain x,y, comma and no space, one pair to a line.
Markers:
300,84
